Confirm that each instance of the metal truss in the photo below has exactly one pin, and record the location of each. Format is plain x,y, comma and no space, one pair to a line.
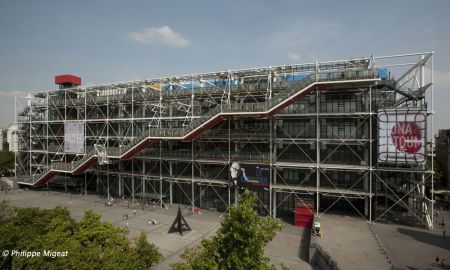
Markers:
321,137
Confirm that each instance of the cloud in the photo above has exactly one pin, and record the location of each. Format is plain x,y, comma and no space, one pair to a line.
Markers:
163,35
303,34
13,93
304,39
294,56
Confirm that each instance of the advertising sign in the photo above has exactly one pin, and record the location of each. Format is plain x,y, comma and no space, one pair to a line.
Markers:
401,136
249,175
74,137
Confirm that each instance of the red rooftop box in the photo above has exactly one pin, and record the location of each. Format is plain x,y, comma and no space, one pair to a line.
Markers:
67,79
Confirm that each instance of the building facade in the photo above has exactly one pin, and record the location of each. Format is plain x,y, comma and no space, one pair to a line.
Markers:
338,133
3,140
12,138
443,153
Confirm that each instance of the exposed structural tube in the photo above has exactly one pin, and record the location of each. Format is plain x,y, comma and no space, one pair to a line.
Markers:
301,88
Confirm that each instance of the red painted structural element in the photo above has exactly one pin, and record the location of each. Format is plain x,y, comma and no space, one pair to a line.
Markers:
304,213
47,177
67,79
84,166
136,149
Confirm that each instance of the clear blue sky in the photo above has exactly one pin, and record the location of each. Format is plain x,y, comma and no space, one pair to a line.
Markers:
111,41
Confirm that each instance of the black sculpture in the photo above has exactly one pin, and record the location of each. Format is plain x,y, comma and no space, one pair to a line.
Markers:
179,224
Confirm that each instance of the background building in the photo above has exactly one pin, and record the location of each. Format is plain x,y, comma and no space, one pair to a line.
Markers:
443,153
12,138
348,135
9,138
3,140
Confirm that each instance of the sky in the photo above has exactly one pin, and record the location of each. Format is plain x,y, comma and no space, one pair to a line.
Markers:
115,41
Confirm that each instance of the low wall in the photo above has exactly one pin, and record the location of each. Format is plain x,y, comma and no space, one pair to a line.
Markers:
318,257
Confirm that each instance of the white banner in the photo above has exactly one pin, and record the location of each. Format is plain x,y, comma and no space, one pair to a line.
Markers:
401,136
74,137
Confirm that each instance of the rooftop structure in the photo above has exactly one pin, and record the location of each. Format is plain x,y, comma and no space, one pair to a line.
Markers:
67,81
348,134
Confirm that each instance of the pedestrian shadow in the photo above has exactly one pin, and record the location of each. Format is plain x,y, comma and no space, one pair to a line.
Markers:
427,237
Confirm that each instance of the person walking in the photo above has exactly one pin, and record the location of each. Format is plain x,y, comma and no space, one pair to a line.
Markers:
134,212
126,216
444,231
437,259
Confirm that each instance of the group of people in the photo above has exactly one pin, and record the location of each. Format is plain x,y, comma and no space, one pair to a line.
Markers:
125,215
441,263
152,222
109,203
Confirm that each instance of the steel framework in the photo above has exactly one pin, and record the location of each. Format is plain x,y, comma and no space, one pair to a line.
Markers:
311,126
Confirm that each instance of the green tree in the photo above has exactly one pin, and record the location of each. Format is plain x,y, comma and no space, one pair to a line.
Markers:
147,252
6,160
90,243
239,242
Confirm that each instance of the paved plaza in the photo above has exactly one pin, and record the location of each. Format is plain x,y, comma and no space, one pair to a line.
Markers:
350,241
354,245
415,248
285,248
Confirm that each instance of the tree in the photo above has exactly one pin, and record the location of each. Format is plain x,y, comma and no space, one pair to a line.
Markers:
239,242
147,252
90,243
6,161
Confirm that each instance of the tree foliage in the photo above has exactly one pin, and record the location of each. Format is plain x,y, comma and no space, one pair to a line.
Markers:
90,243
6,160
239,242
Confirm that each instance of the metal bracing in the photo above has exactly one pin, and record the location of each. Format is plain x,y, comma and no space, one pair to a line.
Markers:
370,154
260,119
318,157
342,195
343,141
400,200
